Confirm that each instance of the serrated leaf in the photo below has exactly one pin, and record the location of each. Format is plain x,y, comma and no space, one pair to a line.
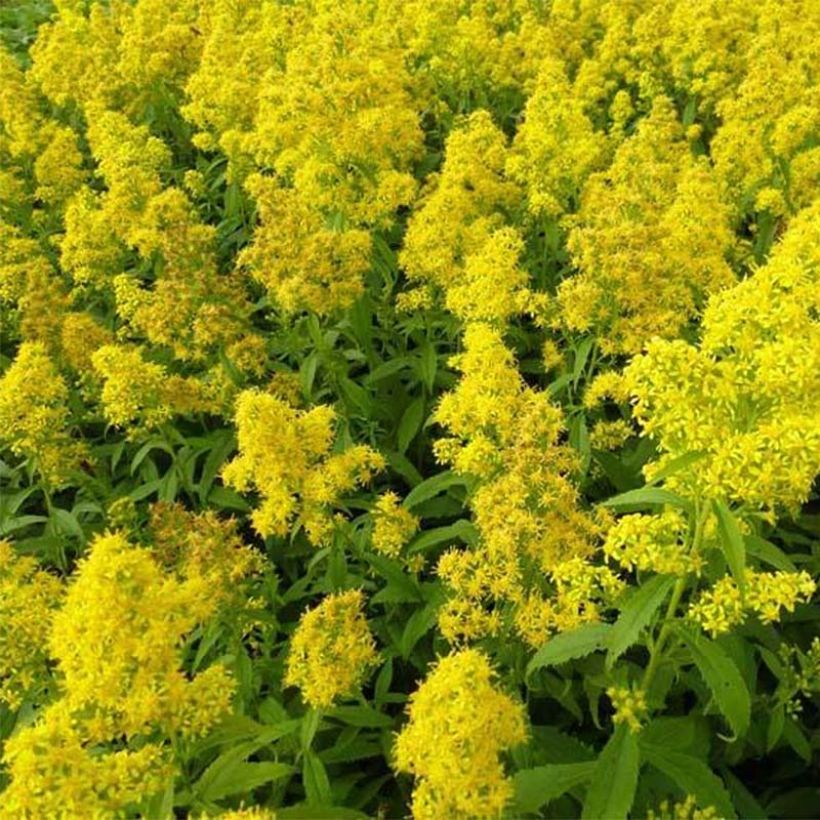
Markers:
646,497
734,550
722,677
635,615
692,775
568,645
535,788
614,779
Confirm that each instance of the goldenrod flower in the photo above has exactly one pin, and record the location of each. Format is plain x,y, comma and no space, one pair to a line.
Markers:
459,724
331,650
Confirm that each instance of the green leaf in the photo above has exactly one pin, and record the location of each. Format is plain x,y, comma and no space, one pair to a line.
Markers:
797,740
692,775
418,625
777,722
688,734
410,423
360,716
614,778
581,356
635,615
536,787
431,487
388,368
767,552
646,497
734,550
243,777
675,466
427,364
356,397
314,812
404,467
227,499
400,585
722,677
462,529
568,645
317,785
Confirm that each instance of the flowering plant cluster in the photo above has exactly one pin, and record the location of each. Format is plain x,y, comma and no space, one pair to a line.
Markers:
409,408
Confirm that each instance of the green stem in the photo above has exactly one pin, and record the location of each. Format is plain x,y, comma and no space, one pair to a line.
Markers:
660,644
674,602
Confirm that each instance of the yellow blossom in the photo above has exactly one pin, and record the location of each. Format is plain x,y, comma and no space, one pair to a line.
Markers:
629,705
286,454
34,415
331,650
28,598
394,525
460,723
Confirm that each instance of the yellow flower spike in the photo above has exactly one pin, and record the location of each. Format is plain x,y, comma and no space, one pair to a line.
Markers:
331,650
394,525
459,724
286,454
34,415
29,597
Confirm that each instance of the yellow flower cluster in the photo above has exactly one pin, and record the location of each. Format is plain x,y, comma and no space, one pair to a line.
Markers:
459,724
683,810
652,542
116,640
331,650
722,607
610,435
56,772
204,547
556,148
393,525
629,705
136,392
535,538
28,599
649,239
34,414
742,395
251,813
286,455
457,241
